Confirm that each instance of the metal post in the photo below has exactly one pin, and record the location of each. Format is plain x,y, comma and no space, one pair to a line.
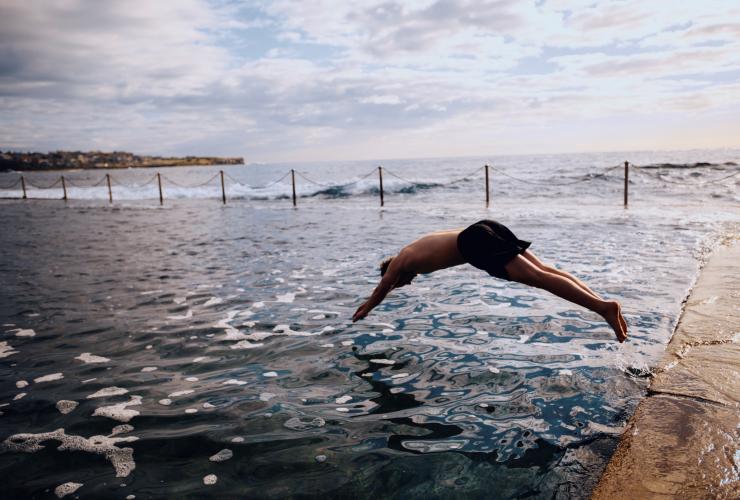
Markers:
64,189
223,188
488,194
626,181
110,191
159,183
23,185
380,175
292,178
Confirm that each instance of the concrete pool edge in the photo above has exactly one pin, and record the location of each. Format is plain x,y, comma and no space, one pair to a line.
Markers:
682,440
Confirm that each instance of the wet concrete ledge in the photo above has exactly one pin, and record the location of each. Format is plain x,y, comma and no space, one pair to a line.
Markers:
684,438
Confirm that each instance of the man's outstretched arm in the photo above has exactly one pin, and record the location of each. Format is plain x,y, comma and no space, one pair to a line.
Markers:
386,285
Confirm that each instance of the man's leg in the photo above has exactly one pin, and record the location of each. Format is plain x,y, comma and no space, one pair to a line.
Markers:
531,257
523,271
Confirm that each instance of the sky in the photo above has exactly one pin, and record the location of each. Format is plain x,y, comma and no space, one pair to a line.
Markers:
311,80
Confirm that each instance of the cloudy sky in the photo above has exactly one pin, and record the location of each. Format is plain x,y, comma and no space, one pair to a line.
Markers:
344,79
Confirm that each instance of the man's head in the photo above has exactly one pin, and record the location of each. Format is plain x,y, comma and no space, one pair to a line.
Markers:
384,266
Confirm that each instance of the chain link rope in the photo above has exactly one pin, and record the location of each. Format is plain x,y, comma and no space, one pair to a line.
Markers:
657,176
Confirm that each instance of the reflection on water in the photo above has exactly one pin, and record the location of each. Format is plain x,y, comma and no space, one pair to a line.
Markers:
200,349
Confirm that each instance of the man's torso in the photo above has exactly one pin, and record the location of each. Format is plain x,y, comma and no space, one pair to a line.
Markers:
432,252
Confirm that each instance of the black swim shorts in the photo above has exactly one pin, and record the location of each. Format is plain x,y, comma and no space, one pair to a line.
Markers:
489,245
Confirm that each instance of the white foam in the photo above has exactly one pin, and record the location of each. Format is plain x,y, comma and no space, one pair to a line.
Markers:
119,411
266,396
286,330
86,357
121,429
165,402
67,489
213,301
180,393
400,375
190,411
326,345
130,497
149,369
258,305
20,395
270,374
191,379
234,381
348,342
23,332
187,315
286,297
381,361
245,344
237,439
179,300
493,369
87,381
565,372
151,292
343,399
210,479
342,410
319,316
107,392
208,405
6,350
222,455
122,459
49,378
21,384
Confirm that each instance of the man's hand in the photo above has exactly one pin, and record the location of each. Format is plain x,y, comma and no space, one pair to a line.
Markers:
361,312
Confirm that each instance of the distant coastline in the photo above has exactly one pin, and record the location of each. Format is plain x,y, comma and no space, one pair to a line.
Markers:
68,160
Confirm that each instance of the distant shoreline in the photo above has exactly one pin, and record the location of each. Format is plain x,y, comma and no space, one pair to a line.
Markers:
97,160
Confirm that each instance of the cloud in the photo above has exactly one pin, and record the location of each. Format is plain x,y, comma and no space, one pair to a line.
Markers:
294,79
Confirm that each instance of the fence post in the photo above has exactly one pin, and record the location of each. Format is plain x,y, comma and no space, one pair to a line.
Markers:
292,178
488,194
380,175
159,183
626,181
223,188
64,189
23,185
110,191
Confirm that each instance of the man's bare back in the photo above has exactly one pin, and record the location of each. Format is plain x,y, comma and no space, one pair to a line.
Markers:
431,252
441,250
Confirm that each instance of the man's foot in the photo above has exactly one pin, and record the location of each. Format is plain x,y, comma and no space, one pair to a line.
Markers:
622,321
613,315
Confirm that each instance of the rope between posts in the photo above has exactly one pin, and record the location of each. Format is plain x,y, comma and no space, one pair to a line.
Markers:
322,184
54,184
115,182
194,185
683,183
401,178
555,183
259,187
12,185
465,177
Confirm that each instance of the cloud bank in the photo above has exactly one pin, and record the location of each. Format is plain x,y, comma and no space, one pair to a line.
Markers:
320,79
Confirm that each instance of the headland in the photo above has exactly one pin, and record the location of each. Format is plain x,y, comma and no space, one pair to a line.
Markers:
67,160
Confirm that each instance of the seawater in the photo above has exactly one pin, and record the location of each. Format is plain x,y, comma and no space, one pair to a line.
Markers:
207,349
